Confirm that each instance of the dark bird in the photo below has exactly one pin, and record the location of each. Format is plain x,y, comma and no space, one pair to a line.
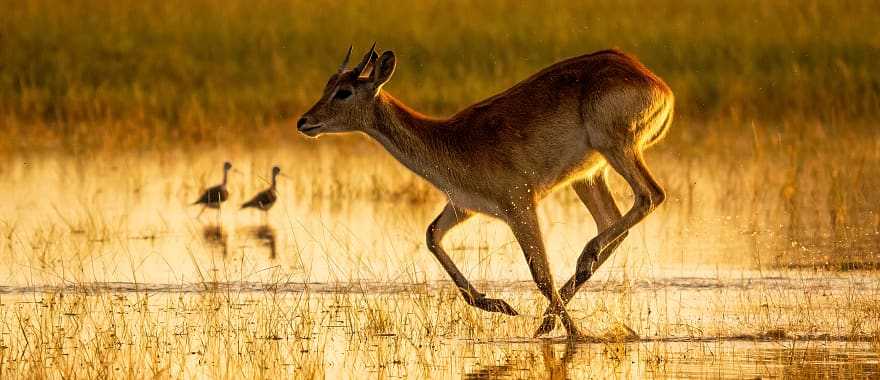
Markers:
266,198
214,196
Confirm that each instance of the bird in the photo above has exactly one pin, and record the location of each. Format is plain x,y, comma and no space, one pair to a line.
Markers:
266,198
214,196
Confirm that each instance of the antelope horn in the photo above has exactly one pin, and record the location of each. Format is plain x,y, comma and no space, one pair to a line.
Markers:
369,57
345,61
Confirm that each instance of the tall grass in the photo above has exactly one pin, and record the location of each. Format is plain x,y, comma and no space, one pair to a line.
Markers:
98,72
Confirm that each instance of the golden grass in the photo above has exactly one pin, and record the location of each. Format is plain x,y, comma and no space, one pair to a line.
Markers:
302,334
126,73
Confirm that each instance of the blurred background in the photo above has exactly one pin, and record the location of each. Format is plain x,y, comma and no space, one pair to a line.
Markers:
93,73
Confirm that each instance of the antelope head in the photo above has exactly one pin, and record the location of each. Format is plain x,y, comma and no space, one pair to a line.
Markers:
350,96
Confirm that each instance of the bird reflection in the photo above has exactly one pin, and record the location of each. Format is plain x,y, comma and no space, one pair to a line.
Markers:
265,235
215,236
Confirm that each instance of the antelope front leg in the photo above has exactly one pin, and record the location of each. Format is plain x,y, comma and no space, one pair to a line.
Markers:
524,224
595,194
449,218
588,262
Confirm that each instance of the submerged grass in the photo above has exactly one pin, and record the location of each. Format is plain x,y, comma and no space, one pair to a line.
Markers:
309,335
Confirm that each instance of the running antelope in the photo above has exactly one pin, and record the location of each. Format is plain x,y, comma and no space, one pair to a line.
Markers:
564,125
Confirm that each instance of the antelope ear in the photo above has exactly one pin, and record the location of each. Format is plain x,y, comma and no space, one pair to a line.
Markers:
383,70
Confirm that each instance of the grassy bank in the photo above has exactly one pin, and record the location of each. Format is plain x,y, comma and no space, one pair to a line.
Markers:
128,73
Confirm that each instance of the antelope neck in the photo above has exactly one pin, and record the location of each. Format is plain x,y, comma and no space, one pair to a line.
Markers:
416,140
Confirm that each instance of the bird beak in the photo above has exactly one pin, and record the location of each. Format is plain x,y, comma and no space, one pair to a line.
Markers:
236,171
285,176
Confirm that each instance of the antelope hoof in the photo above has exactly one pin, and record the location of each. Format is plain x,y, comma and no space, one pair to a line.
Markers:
547,325
495,305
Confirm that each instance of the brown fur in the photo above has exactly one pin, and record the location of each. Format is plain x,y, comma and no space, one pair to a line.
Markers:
501,156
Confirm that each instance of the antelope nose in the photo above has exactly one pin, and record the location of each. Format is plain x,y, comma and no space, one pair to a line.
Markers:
302,121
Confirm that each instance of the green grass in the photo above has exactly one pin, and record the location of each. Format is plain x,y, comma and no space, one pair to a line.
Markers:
129,73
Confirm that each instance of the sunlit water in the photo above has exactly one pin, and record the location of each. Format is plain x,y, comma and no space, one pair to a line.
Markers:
701,293
129,219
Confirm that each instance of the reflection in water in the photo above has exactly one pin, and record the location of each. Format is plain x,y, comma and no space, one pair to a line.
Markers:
555,367
215,236
491,372
817,362
558,368
720,358
266,236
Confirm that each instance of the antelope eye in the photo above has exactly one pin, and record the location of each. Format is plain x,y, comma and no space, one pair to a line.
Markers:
342,94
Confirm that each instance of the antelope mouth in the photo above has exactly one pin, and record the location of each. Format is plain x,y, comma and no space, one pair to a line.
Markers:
306,129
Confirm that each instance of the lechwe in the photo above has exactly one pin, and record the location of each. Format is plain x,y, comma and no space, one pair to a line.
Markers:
500,157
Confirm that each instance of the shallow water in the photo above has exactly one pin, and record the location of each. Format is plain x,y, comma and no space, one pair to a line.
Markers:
696,327
127,219
749,324
699,289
